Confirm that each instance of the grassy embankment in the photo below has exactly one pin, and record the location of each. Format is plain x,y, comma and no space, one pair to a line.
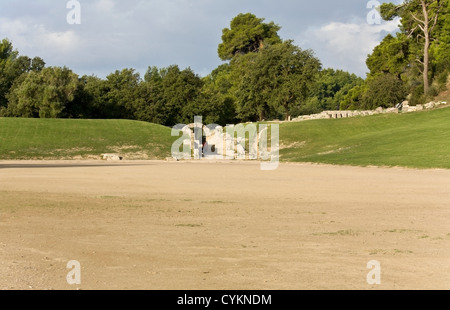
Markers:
419,140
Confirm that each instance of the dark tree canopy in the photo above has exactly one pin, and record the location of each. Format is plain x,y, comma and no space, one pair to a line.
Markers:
247,34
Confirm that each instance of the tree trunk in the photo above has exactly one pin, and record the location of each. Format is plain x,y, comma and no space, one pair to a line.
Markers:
261,116
426,68
426,50
261,45
288,113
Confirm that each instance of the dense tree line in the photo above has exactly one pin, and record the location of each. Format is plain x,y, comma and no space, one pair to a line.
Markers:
414,64
263,77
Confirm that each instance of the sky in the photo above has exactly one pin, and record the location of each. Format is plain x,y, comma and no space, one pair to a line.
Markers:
113,34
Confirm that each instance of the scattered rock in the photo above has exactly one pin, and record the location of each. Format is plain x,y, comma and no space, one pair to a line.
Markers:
111,157
392,110
430,105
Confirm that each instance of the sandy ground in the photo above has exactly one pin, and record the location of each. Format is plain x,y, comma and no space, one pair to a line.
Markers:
165,226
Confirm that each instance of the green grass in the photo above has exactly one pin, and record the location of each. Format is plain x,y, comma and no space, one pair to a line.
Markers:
418,140
57,138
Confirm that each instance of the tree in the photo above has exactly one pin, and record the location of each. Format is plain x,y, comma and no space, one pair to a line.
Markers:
12,66
150,105
92,94
179,89
329,90
279,78
353,99
440,48
383,90
392,55
215,103
247,34
44,94
121,93
292,72
249,88
419,19
7,51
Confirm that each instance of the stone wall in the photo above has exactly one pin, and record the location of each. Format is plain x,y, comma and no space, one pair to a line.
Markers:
405,108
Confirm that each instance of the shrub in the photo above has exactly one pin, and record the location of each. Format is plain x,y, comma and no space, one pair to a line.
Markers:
384,90
417,97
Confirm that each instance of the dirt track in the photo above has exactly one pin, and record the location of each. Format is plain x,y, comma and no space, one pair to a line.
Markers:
157,225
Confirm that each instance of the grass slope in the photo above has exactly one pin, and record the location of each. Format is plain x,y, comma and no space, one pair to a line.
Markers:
65,139
419,140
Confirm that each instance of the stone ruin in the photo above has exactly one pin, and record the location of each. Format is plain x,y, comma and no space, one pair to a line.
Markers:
220,144
401,108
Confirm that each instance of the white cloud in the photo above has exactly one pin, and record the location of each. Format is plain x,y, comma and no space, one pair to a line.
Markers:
34,39
346,45
137,33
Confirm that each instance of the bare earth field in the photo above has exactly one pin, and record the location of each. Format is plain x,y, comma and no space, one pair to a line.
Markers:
165,226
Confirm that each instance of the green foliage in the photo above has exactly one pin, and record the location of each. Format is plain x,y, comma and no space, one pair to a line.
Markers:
417,96
12,66
392,56
353,99
7,52
330,89
251,104
384,90
180,88
215,103
292,72
440,47
275,80
389,11
167,96
121,94
421,20
43,94
442,80
247,34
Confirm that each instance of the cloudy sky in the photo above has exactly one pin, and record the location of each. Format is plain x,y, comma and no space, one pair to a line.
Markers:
116,34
